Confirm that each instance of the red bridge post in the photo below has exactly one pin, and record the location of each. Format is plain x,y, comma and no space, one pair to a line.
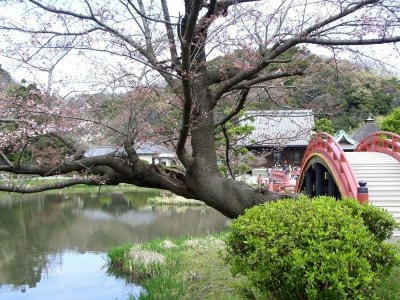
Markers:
362,192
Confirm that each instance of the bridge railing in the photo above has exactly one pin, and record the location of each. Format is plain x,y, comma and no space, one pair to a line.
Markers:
323,144
382,141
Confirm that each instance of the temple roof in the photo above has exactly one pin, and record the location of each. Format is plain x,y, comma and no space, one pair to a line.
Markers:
345,140
279,128
368,128
146,148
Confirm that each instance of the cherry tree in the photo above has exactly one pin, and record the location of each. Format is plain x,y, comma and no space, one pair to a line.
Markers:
203,51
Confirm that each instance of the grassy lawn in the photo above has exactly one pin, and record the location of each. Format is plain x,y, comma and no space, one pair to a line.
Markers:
193,268
79,188
211,278
390,287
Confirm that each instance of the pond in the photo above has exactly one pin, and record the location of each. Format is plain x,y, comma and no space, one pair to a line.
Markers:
53,246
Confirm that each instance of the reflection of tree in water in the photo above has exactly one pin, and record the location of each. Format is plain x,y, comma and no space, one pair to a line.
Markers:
117,203
27,227
30,225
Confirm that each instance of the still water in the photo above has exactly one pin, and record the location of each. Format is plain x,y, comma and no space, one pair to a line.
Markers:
53,246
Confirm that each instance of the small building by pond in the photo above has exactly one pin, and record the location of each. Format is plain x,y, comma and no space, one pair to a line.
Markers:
345,141
148,151
365,130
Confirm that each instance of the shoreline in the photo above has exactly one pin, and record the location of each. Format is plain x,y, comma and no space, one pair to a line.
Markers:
173,200
180,268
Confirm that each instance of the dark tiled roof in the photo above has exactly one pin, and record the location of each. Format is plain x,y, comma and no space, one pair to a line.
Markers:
365,130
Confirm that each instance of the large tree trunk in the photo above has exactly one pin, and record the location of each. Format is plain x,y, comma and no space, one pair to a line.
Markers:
228,196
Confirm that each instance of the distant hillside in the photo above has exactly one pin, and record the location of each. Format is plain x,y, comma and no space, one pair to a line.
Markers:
340,90
5,78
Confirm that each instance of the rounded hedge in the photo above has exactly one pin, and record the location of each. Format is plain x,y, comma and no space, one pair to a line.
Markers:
317,248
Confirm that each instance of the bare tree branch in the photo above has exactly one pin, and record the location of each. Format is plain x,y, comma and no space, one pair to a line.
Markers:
227,148
6,160
143,15
170,34
345,12
277,75
349,42
238,108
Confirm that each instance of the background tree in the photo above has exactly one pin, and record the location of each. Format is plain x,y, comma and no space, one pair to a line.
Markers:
140,43
324,125
342,91
391,122
5,79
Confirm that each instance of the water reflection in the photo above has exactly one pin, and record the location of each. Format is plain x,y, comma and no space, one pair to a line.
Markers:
39,235
74,276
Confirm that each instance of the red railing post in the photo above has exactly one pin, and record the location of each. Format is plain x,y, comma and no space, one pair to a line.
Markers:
362,192
271,185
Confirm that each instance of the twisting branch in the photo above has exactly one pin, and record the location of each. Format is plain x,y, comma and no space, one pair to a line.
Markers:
56,33
22,151
345,12
277,75
227,148
141,14
216,75
353,42
238,108
103,26
226,85
6,160
170,34
146,27
82,164
280,47
186,78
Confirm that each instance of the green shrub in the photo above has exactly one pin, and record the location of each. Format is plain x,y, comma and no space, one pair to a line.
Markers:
378,221
391,122
312,248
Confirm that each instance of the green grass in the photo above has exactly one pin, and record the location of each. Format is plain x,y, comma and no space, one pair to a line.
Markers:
211,278
160,281
116,254
79,188
199,272
390,286
191,271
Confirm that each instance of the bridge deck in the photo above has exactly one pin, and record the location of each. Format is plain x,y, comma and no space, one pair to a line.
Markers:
382,174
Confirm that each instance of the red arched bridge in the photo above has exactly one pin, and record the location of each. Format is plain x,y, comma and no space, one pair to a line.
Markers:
369,174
